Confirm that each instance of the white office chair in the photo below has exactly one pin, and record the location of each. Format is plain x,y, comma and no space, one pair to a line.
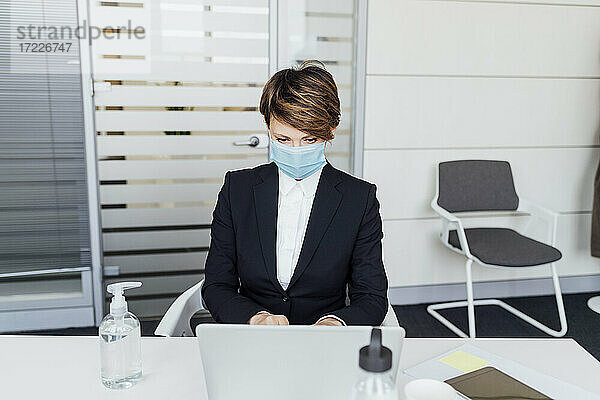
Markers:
176,321
487,185
390,317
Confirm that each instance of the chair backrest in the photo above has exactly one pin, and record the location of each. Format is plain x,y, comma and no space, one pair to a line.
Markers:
476,185
176,321
390,318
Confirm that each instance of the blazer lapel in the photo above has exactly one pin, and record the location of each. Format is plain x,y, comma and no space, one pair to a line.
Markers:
325,204
266,193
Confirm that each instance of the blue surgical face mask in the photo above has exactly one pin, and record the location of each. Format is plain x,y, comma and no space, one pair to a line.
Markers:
297,162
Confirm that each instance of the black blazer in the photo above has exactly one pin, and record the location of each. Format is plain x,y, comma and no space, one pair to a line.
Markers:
341,248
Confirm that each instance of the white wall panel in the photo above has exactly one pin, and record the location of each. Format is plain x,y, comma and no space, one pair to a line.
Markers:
558,178
468,38
510,80
414,254
585,3
447,112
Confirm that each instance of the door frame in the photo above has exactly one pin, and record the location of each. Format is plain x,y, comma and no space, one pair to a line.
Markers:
359,82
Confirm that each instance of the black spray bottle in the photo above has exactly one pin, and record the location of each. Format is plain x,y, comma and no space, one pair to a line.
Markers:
376,381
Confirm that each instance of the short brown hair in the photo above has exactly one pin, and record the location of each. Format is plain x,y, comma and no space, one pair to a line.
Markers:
304,97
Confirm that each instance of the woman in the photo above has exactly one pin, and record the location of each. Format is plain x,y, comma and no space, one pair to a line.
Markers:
292,238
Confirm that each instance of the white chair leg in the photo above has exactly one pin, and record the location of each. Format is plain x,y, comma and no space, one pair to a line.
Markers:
470,302
432,309
562,315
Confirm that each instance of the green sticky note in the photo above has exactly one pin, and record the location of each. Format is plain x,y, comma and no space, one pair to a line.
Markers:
464,362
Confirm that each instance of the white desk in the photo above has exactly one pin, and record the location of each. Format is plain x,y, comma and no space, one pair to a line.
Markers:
68,367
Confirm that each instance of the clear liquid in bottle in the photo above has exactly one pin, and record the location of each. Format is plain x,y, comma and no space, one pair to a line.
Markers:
120,349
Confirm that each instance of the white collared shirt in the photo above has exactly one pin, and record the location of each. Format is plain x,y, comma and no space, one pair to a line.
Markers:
293,210
295,202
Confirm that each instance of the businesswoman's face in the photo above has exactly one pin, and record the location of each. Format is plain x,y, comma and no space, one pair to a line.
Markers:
290,136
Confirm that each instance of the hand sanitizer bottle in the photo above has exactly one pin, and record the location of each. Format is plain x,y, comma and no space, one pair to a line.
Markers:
120,341
375,362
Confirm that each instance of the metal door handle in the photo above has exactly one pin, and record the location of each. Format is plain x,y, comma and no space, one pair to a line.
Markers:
252,142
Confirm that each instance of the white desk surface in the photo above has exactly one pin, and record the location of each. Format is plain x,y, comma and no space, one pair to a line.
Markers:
68,367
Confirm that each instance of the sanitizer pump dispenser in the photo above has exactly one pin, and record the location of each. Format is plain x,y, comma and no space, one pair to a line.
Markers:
120,341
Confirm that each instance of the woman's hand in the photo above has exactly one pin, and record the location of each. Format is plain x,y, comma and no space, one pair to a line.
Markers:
329,322
263,318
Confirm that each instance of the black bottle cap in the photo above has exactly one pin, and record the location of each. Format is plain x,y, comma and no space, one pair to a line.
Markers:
375,357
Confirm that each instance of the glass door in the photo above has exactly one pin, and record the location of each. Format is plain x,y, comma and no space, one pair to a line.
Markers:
325,31
176,107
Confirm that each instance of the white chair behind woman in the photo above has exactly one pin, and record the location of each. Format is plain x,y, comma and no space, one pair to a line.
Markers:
176,321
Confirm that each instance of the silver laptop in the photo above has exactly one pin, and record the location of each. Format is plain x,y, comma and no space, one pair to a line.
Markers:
286,362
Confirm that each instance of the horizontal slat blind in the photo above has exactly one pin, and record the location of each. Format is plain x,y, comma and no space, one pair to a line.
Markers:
43,188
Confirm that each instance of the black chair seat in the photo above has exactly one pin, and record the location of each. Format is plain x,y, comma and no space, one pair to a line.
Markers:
505,247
